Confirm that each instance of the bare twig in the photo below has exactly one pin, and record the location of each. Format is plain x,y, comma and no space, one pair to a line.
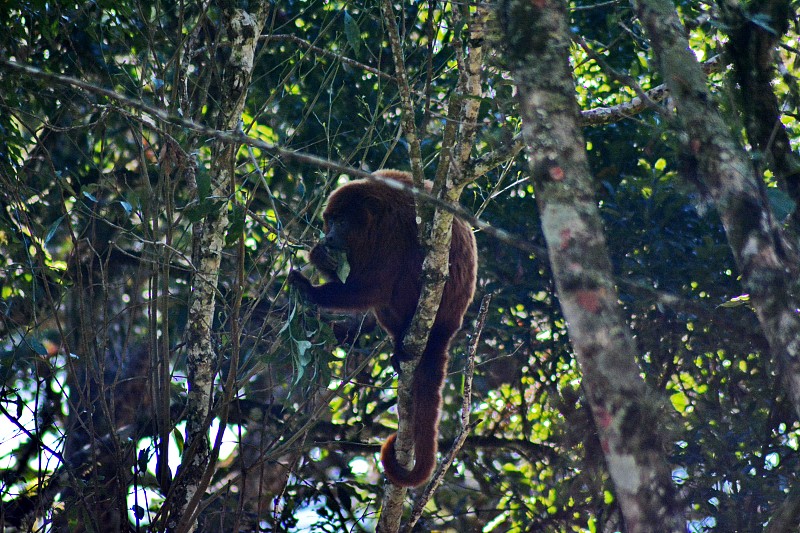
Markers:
346,60
409,127
483,164
466,425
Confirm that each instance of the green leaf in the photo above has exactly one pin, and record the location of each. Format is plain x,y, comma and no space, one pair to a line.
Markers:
343,270
679,401
53,228
352,33
178,436
738,301
302,348
203,180
764,21
302,359
780,202
235,225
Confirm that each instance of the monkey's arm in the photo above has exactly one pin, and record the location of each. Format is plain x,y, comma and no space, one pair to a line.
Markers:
336,295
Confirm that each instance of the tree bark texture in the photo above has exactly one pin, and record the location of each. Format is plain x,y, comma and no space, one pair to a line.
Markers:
415,339
435,226
755,29
537,45
730,179
240,33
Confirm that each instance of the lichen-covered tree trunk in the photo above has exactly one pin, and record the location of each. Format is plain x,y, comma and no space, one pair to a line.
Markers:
240,31
755,29
435,232
538,40
417,336
729,177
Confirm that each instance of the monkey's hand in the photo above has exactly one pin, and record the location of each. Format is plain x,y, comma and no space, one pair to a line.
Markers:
332,262
400,355
301,284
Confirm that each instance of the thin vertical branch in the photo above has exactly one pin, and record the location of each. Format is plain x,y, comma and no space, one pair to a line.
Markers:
392,505
466,425
407,105
435,235
241,31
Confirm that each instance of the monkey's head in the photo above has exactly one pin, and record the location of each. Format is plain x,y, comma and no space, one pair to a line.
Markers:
347,221
359,219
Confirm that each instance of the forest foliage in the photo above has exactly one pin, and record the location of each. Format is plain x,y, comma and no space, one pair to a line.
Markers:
112,130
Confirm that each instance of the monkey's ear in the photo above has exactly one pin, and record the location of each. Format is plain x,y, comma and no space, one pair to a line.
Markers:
370,218
374,207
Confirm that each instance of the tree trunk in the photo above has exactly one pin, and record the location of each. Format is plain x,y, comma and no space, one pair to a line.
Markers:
240,31
538,40
729,177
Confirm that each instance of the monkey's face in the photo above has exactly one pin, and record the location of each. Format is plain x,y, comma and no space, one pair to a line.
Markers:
330,254
337,230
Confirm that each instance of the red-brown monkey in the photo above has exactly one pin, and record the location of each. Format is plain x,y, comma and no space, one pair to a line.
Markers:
375,226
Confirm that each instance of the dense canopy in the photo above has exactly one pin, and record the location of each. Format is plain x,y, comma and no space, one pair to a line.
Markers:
164,166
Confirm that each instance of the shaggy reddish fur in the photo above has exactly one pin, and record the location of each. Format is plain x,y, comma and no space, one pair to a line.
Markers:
375,225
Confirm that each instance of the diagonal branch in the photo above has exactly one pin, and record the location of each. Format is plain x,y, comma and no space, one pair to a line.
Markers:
755,239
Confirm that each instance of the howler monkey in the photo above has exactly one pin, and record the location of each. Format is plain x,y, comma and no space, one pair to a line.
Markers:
374,226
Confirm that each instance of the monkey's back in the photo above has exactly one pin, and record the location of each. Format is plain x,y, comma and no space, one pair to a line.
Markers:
387,253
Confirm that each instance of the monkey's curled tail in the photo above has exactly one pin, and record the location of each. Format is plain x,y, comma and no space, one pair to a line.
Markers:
427,398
